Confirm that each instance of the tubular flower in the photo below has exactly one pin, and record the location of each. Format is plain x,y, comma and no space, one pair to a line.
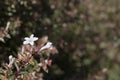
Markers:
11,61
47,46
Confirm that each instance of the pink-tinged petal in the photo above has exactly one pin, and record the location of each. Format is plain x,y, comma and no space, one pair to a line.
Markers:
40,79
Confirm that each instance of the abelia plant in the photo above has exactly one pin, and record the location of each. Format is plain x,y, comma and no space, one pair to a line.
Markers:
32,59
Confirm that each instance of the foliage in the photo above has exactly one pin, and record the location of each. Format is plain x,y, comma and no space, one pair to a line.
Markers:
30,62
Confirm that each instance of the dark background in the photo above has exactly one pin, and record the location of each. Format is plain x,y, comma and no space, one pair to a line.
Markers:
85,32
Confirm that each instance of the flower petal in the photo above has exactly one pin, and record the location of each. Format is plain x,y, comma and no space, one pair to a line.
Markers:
26,38
30,40
40,64
32,35
25,42
32,43
10,57
35,38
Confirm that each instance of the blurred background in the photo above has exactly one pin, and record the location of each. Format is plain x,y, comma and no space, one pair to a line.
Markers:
85,32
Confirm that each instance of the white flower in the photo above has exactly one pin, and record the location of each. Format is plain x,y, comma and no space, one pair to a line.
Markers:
47,46
30,40
46,61
40,64
11,61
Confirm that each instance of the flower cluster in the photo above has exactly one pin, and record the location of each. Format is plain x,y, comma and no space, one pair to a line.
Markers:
33,57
